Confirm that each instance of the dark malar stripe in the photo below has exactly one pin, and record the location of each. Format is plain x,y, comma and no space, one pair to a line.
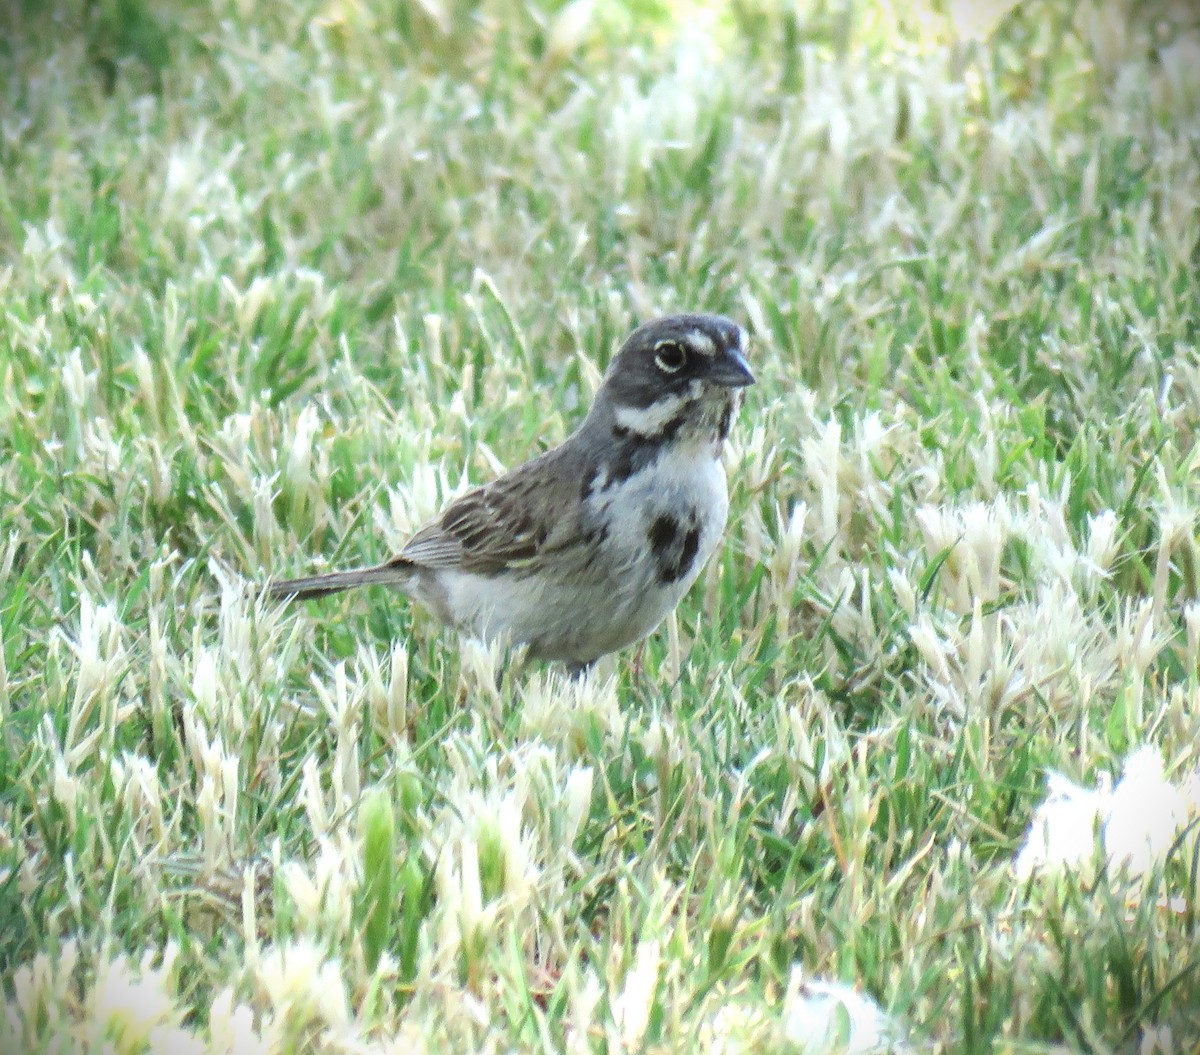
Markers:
634,453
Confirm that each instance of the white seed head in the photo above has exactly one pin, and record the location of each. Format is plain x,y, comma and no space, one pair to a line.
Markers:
826,1017
632,1007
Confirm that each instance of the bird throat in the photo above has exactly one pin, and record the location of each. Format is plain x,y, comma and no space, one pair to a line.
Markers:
700,423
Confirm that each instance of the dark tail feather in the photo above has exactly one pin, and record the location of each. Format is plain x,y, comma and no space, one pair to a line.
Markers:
337,581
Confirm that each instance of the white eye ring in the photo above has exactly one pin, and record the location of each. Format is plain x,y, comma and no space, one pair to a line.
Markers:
669,356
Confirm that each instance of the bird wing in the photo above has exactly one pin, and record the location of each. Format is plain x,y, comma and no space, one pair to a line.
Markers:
512,522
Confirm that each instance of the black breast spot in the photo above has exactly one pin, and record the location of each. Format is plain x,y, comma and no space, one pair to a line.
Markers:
687,553
674,544
662,535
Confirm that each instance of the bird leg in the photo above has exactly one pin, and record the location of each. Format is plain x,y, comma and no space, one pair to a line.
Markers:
637,660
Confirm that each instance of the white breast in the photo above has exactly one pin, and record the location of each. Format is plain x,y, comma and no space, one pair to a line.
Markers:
609,597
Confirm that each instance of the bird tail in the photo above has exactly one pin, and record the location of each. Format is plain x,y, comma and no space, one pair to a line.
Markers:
393,573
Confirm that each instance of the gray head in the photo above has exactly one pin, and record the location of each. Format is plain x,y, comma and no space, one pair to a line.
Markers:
676,370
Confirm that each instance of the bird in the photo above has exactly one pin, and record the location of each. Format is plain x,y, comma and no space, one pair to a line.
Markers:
585,549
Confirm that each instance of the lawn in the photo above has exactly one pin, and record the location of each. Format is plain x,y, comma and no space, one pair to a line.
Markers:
917,761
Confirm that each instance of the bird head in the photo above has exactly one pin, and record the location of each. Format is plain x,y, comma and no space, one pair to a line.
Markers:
678,372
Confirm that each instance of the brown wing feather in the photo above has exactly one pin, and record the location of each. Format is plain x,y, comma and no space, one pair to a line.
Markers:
526,513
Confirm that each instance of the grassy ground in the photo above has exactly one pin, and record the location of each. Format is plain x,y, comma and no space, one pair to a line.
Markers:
275,280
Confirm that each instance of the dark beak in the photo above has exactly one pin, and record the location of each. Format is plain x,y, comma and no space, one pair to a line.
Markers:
731,370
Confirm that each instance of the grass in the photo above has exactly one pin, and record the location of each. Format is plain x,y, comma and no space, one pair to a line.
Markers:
276,280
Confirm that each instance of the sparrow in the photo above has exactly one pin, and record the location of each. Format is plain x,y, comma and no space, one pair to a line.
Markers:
585,549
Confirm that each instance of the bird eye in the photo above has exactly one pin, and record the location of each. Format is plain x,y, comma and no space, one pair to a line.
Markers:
669,356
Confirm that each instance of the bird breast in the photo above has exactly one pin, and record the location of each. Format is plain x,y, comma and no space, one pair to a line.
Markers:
650,535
